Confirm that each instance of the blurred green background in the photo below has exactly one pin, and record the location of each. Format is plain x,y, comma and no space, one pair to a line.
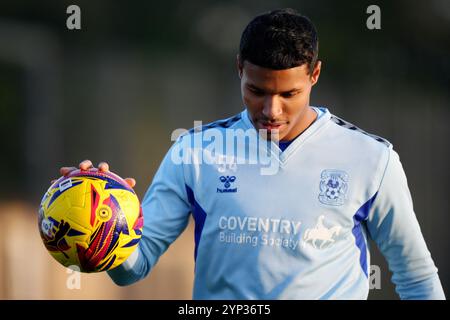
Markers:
116,89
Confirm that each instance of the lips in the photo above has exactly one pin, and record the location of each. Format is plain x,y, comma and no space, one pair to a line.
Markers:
269,126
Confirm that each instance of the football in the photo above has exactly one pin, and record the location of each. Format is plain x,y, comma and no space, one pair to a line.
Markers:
90,219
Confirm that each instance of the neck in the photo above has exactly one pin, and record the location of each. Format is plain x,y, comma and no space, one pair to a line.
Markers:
307,118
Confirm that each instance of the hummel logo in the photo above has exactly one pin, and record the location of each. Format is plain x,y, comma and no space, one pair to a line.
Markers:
227,181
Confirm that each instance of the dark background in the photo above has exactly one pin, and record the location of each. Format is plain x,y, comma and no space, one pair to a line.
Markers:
116,89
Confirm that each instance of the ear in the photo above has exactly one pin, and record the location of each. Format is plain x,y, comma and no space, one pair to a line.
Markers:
316,72
239,66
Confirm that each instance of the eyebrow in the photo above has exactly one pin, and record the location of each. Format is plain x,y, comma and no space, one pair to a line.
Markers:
252,86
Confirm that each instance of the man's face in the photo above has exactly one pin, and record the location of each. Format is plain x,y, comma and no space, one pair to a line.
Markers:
278,100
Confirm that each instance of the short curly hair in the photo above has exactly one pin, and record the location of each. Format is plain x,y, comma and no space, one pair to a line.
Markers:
280,39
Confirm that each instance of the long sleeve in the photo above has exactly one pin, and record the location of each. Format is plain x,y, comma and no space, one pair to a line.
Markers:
166,214
394,227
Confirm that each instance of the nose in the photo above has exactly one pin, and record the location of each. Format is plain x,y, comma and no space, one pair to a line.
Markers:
272,107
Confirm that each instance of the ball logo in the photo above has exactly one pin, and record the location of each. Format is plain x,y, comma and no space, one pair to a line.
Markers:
46,228
65,185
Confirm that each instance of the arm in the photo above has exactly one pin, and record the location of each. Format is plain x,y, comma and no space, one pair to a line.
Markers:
393,226
166,214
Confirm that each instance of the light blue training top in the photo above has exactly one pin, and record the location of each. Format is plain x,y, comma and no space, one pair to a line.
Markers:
285,225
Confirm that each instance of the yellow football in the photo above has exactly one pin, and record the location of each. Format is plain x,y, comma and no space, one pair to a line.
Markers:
90,219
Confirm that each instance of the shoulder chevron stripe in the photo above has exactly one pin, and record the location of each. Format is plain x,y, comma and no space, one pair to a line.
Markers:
350,126
226,123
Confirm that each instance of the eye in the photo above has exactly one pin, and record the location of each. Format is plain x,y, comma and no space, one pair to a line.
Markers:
256,92
289,94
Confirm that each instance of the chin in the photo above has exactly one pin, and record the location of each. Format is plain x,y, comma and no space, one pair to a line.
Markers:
274,137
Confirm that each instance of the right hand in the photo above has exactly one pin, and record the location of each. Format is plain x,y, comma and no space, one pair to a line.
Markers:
87,164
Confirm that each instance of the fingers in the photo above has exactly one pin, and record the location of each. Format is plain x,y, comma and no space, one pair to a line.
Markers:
85,165
64,171
103,166
131,182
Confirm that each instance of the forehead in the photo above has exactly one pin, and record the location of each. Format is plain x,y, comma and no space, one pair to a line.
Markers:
279,80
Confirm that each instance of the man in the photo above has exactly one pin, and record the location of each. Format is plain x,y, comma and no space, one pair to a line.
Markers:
300,230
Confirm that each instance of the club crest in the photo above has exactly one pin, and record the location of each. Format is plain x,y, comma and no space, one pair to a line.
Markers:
333,187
